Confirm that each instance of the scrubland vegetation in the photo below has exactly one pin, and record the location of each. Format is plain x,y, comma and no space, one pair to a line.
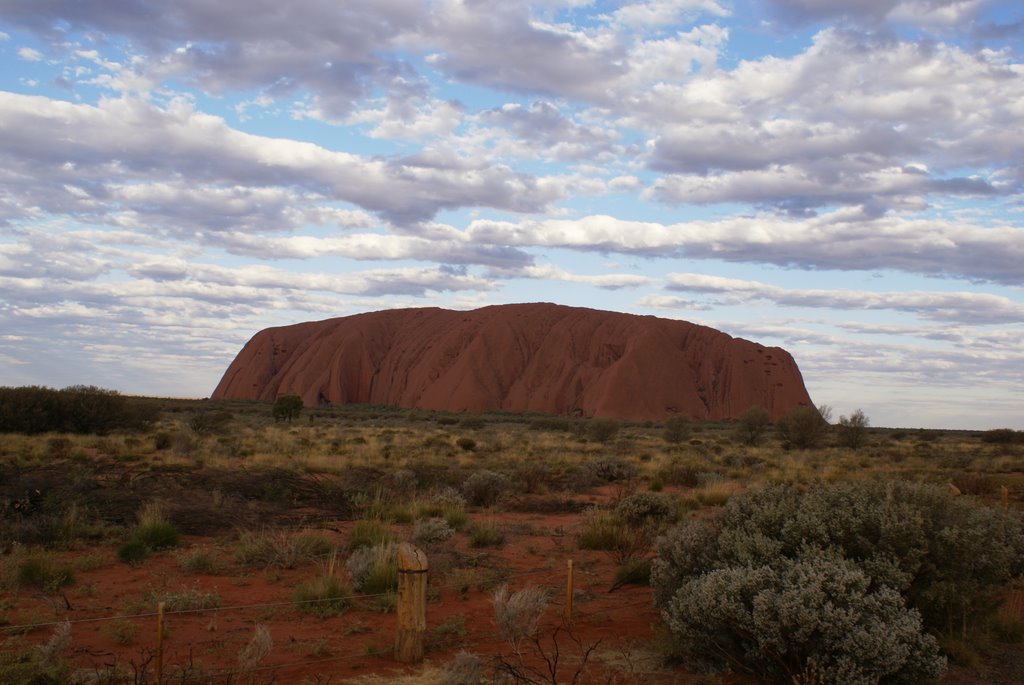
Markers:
800,552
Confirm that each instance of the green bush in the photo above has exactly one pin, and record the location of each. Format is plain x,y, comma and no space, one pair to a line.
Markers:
802,428
677,430
209,421
853,430
132,553
602,430
610,469
604,531
38,570
287,408
633,572
485,535
323,596
431,531
75,409
374,570
643,507
1003,436
817,615
369,534
484,488
154,531
752,424
946,559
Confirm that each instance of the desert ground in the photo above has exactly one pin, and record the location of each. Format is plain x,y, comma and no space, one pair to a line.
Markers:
270,543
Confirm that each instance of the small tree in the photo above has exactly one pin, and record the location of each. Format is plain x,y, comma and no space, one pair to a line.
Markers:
802,428
753,423
287,408
677,429
602,430
853,431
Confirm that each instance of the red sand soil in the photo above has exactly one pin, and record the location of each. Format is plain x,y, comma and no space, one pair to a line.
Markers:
622,623
518,358
343,649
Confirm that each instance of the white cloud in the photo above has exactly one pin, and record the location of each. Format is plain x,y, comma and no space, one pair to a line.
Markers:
964,307
851,120
655,13
842,239
130,138
549,272
30,54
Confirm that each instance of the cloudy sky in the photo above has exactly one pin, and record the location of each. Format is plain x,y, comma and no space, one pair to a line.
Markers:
843,178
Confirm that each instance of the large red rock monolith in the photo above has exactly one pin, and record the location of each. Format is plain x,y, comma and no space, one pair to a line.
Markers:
518,358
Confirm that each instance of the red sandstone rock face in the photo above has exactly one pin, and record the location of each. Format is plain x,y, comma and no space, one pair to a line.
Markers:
518,358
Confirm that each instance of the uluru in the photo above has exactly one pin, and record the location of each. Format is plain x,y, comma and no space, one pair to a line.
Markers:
537,357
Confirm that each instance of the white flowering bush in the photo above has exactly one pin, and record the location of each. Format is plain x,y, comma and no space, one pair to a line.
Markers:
943,559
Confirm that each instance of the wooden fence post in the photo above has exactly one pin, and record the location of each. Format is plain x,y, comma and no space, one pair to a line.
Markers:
568,594
412,604
160,643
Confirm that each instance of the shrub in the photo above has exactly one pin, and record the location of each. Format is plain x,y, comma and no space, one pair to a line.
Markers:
464,669
154,530
753,423
369,534
484,488
403,483
518,613
287,408
610,469
58,447
677,429
310,545
197,560
182,599
604,531
802,428
853,430
1003,436
945,557
210,421
466,444
447,504
323,596
256,649
39,570
486,535
431,531
121,631
532,476
641,507
374,570
801,615
602,430
633,572
132,553
75,409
